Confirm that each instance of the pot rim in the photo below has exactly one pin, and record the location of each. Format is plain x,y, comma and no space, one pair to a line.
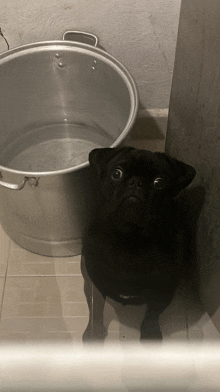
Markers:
102,54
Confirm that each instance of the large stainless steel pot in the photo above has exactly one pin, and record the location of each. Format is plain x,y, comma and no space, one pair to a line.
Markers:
58,101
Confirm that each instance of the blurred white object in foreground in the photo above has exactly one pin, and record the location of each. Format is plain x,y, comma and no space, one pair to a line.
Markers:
173,367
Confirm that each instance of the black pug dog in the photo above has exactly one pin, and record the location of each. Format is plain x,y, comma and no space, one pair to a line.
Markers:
134,247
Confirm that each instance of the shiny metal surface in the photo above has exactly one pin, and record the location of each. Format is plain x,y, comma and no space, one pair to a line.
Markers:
16,187
58,101
81,36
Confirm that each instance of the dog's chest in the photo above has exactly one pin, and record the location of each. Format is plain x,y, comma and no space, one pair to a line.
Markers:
122,269
135,258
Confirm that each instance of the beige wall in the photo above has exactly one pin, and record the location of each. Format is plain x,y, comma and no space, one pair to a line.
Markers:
142,34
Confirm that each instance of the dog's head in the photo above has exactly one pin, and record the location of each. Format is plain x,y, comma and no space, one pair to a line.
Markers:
137,185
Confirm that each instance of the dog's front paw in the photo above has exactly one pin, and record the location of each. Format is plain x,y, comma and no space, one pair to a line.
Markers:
151,331
94,333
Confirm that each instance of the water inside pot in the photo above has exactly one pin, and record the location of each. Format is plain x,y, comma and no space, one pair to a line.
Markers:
54,147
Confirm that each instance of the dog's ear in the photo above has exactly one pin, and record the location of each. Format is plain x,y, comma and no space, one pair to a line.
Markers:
99,157
183,174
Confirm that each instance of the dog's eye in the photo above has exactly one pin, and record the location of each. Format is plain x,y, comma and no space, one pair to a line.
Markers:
159,183
117,174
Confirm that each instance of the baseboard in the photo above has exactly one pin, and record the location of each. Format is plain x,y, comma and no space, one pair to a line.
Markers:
150,124
149,131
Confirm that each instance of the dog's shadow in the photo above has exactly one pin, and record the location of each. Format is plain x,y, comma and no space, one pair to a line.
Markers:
118,322
105,313
184,310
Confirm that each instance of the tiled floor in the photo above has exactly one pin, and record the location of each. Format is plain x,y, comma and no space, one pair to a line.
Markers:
42,298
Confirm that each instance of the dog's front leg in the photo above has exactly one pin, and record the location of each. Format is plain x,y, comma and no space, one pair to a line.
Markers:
150,328
95,330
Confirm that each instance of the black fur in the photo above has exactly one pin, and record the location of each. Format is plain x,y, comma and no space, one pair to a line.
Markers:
133,247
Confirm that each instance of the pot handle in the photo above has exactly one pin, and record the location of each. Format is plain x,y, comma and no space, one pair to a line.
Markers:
32,181
80,36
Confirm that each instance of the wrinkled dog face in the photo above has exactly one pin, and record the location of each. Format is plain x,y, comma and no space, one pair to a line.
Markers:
137,185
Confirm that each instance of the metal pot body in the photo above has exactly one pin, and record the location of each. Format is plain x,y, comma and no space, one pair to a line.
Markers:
58,101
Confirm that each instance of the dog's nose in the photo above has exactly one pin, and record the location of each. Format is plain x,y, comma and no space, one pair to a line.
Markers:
135,182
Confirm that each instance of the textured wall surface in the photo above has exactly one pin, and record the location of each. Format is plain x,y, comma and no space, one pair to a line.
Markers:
141,34
194,132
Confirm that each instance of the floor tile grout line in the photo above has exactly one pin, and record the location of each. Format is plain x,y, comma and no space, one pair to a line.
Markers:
187,327
42,317
47,262
49,301
4,285
44,276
